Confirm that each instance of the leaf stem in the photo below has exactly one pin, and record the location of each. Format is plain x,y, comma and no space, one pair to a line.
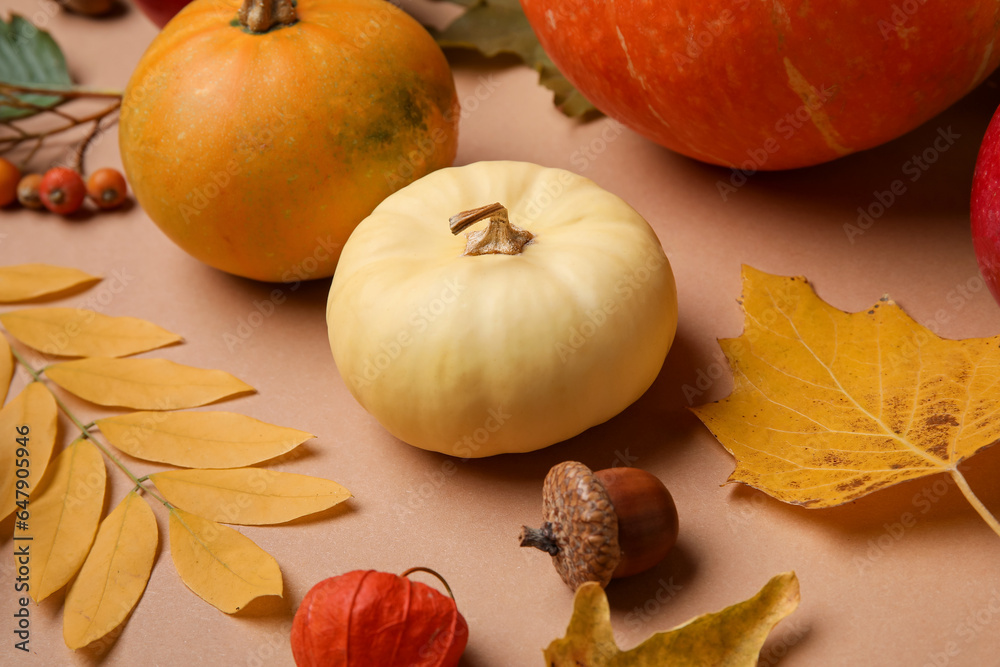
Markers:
85,429
36,375
974,501
136,480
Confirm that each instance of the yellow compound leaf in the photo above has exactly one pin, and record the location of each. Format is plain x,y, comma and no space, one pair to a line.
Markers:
24,282
830,406
114,575
201,439
732,637
64,515
27,436
6,368
248,496
144,384
223,567
78,332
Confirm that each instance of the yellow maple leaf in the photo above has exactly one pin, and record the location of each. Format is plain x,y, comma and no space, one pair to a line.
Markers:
729,638
830,406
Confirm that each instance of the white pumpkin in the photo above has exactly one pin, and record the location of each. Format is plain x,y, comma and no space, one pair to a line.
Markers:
480,354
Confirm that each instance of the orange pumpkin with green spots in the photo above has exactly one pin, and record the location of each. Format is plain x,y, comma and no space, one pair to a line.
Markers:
257,134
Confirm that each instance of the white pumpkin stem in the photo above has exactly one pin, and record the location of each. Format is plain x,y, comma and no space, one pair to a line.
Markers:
262,15
501,238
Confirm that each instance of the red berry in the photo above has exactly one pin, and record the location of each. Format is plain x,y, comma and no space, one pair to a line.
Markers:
107,187
9,176
27,191
62,190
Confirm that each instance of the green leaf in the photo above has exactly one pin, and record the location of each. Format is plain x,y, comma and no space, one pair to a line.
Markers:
29,57
499,26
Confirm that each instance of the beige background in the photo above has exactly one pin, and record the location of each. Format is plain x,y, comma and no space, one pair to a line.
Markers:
871,595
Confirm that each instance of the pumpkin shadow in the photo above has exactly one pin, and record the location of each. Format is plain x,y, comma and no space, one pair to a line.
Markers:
649,432
934,163
302,293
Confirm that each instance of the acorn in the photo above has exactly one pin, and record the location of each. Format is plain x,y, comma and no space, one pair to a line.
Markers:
602,525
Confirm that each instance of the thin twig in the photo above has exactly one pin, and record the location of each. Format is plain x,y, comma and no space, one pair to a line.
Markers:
34,149
8,143
77,162
17,103
9,96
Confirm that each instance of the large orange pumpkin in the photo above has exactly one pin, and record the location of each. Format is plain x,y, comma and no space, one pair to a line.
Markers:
258,136
770,85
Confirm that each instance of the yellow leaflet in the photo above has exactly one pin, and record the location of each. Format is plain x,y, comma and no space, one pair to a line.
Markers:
220,565
64,514
114,575
249,496
144,384
829,406
78,332
27,436
201,439
6,368
31,281
732,637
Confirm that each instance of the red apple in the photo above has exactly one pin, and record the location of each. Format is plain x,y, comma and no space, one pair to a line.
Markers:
769,85
161,11
986,207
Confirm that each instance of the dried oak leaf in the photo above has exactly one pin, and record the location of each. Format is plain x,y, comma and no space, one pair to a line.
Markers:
830,406
729,638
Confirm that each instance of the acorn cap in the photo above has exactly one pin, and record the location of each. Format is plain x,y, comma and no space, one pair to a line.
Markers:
581,526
